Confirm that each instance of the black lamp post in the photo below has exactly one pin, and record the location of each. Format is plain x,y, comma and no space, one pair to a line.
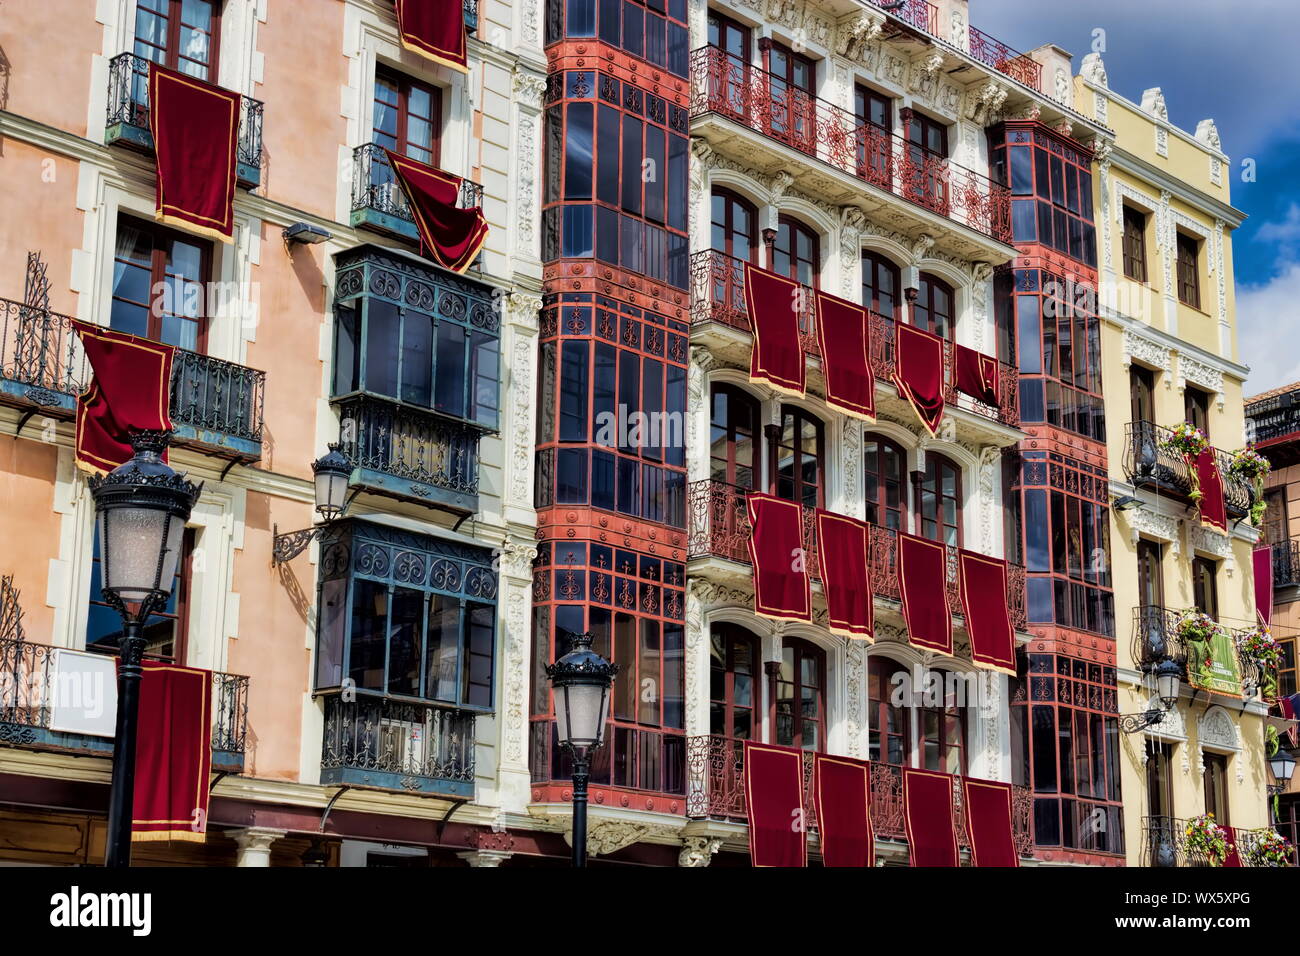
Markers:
1282,765
143,506
581,680
331,472
1169,681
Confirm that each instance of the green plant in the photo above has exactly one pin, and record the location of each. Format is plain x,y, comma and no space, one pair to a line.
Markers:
1189,441
1270,848
1204,836
1250,466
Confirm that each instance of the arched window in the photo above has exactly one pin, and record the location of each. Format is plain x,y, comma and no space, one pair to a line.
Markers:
799,697
890,726
733,437
734,666
735,226
879,284
885,469
934,306
940,504
795,252
943,730
799,456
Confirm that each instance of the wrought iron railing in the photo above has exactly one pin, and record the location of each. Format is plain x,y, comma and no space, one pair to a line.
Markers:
1286,563
30,690
718,526
917,13
718,295
128,104
375,187
409,443
730,87
1156,637
40,350
1019,66
1149,462
407,738
1165,843
211,394
1272,418
715,789
470,8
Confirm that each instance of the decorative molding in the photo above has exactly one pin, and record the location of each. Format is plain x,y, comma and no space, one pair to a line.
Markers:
1211,542
1144,521
1153,102
855,675
1093,69
1208,133
1198,373
698,851
1148,351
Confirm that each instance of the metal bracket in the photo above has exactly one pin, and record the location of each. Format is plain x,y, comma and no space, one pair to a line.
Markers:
221,775
285,547
1132,723
231,464
456,805
27,416
330,806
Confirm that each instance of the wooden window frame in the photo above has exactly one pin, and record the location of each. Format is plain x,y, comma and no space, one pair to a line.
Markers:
731,200
1189,270
171,49
801,649
1135,244
1196,408
927,284
873,264
878,665
1150,570
1216,785
1205,585
877,468
798,416
161,236
733,634
737,395
926,485
726,23
794,228
405,84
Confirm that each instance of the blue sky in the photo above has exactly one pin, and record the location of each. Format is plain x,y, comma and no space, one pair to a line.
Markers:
1234,62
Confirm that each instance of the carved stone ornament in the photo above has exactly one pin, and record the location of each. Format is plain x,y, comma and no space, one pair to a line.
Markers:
698,851
1093,69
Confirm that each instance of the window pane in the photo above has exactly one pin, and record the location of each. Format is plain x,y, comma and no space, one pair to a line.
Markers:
369,627
443,646
449,382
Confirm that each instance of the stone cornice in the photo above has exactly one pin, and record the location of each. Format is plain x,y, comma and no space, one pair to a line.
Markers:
1178,131
1174,344
1206,204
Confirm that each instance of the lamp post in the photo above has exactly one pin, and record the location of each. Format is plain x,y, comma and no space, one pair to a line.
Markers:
331,474
580,681
1282,765
1169,681
142,506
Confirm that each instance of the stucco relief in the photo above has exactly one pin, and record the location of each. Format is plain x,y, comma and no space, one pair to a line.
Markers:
1144,521
1147,351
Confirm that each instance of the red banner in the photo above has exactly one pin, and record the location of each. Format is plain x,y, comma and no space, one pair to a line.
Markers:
918,372
195,128
844,546
781,587
1261,560
989,816
1214,513
1234,854
774,801
436,29
449,236
772,303
843,795
927,806
173,755
130,391
842,332
988,618
977,375
922,582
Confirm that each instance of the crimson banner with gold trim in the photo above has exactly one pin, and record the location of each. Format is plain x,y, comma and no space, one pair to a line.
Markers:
773,305
1214,513
922,583
844,334
918,372
928,813
844,547
450,236
774,802
984,605
781,586
977,375
436,29
173,755
843,796
989,816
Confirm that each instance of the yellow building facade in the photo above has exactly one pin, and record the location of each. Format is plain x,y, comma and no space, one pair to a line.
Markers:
1165,224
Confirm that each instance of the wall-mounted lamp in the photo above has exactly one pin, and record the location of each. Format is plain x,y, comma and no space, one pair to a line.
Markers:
1169,680
306,233
1125,503
332,472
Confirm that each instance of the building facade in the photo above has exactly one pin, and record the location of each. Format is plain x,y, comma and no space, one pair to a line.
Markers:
561,440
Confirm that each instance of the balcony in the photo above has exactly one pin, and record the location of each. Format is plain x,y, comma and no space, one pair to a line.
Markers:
718,296
718,527
715,790
1164,843
1156,637
1018,66
727,92
920,14
1148,463
38,690
127,123
378,202
217,407
1274,423
1286,571
471,14
408,452
404,745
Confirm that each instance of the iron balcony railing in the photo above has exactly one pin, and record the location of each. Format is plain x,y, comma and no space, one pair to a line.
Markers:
718,526
470,8
1156,637
917,13
718,295
374,186
1019,66
1165,843
408,739
728,86
1150,463
1286,563
1274,418
41,360
128,105
211,394
715,789
409,443
31,690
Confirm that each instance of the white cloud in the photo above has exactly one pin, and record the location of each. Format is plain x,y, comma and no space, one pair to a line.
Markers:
1281,230
1268,320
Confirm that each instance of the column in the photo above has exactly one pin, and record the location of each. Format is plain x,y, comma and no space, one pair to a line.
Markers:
516,583
255,845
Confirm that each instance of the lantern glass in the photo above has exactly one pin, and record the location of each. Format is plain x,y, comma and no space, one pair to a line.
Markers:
581,710
1168,683
139,548
1282,764
331,491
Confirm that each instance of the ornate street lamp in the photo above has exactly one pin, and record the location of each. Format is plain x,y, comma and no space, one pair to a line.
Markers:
1169,679
581,681
332,473
142,506
1282,764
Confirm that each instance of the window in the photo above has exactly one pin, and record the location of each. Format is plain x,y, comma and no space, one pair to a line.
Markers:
1287,681
798,458
930,135
795,252
934,307
943,733
183,35
165,631
159,284
1151,585
729,36
733,437
874,113
1160,778
734,666
926,170
793,81
1216,787
735,226
799,698
406,615
890,726
1142,388
1189,281
880,285
1135,247
653,30
407,117
1051,190
886,482
1196,409
1276,522
1205,591
940,504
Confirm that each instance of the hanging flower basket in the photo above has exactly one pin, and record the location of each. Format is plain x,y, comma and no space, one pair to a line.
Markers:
1199,629
1271,849
1205,837
1258,647
1189,441
1251,467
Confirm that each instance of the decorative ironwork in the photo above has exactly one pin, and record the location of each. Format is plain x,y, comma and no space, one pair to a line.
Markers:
1149,463
730,87
40,350
1156,637
917,13
1286,564
36,285
409,738
409,443
229,712
128,104
1134,723
375,187
1019,66
287,546
211,394
1273,418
